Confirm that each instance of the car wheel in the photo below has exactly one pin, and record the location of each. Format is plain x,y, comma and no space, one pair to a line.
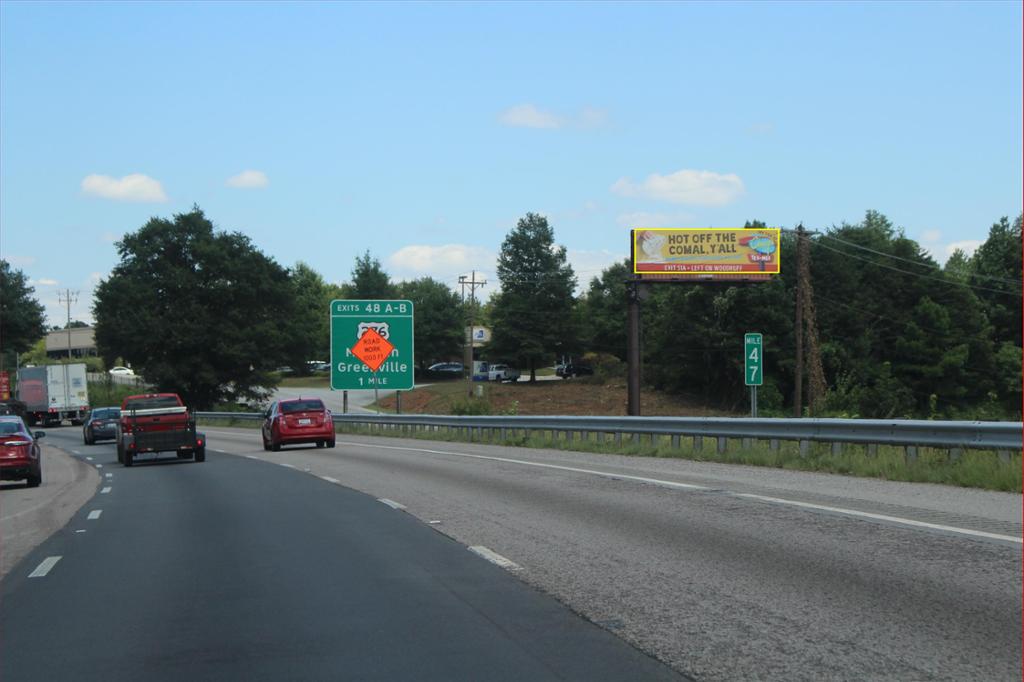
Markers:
85,438
330,443
276,447
120,453
127,458
185,454
200,454
266,445
321,443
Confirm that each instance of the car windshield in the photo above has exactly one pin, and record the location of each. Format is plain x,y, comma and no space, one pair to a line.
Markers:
107,413
302,406
152,403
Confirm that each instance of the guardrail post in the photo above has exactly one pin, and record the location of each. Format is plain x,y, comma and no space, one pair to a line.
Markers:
1005,456
723,444
504,433
773,444
698,443
805,448
837,449
872,449
675,441
911,453
636,439
618,438
954,454
746,443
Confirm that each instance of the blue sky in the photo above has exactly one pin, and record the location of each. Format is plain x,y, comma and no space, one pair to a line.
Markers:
422,132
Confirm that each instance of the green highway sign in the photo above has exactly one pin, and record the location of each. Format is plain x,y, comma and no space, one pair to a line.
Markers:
752,354
392,320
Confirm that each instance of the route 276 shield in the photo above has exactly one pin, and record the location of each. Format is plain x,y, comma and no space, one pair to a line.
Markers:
379,327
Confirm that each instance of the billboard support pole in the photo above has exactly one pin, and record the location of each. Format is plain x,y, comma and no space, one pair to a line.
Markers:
633,348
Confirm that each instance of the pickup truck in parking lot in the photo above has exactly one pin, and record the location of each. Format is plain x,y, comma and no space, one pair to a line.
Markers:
502,373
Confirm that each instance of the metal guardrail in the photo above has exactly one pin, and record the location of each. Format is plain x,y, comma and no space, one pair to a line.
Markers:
910,433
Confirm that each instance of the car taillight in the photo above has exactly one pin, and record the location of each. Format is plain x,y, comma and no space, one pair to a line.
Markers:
199,441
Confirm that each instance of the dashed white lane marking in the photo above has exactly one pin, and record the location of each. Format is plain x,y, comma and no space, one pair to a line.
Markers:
79,531
285,464
42,569
883,517
89,458
109,475
686,486
329,479
106,490
99,466
94,514
495,558
391,503
76,452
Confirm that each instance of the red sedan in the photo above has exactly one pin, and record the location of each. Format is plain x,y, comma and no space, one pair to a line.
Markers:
19,452
301,420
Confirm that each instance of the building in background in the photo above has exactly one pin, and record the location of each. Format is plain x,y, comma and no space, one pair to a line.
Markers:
81,340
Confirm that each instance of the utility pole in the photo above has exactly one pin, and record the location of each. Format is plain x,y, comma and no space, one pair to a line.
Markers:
68,297
798,396
472,283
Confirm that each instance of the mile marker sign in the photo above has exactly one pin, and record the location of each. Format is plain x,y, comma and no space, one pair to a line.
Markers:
391,324
752,355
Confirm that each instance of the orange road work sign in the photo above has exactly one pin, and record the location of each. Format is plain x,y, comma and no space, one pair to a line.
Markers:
373,349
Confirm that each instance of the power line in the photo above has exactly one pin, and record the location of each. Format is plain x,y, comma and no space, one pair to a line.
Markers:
907,260
944,280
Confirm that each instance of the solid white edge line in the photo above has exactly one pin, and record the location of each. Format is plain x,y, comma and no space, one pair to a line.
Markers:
251,457
883,517
329,479
94,514
106,490
285,464
686,486
494,558
592,472
391,503
43,568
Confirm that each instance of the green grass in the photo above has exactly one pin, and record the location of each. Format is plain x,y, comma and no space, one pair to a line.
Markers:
104,394
314,381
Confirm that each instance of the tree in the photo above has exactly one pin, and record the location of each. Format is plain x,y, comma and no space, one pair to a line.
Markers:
21,315
369,281
603,308
438,319
311,324
201,313
532,315
996,274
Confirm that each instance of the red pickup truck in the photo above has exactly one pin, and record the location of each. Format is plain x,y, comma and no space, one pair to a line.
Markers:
157,422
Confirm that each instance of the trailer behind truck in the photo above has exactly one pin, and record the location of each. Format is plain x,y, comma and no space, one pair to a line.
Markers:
54,393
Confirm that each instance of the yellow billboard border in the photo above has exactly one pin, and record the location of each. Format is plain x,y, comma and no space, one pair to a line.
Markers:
734,273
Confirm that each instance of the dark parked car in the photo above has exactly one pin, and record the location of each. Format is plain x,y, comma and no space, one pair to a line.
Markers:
301,420
573,370
101,424
19,452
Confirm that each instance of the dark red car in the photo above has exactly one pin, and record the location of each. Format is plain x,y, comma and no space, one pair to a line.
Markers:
19,452
300,420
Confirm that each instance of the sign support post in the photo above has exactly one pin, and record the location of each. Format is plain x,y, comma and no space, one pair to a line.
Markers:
753,376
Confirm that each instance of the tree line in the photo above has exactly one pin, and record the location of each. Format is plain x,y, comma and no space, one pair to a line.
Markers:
206,313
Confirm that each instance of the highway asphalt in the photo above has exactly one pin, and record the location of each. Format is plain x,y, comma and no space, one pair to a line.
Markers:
239,570
721,572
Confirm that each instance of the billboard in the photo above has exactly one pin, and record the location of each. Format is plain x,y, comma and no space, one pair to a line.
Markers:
706,251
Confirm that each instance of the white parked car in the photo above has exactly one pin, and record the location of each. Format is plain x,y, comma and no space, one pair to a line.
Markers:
502,373
122,371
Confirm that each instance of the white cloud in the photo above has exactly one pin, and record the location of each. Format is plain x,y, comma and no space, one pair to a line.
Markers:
443,263
43,282
95,278
931,236
645,219
700,187
249,179
135,187
529,116
968,246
